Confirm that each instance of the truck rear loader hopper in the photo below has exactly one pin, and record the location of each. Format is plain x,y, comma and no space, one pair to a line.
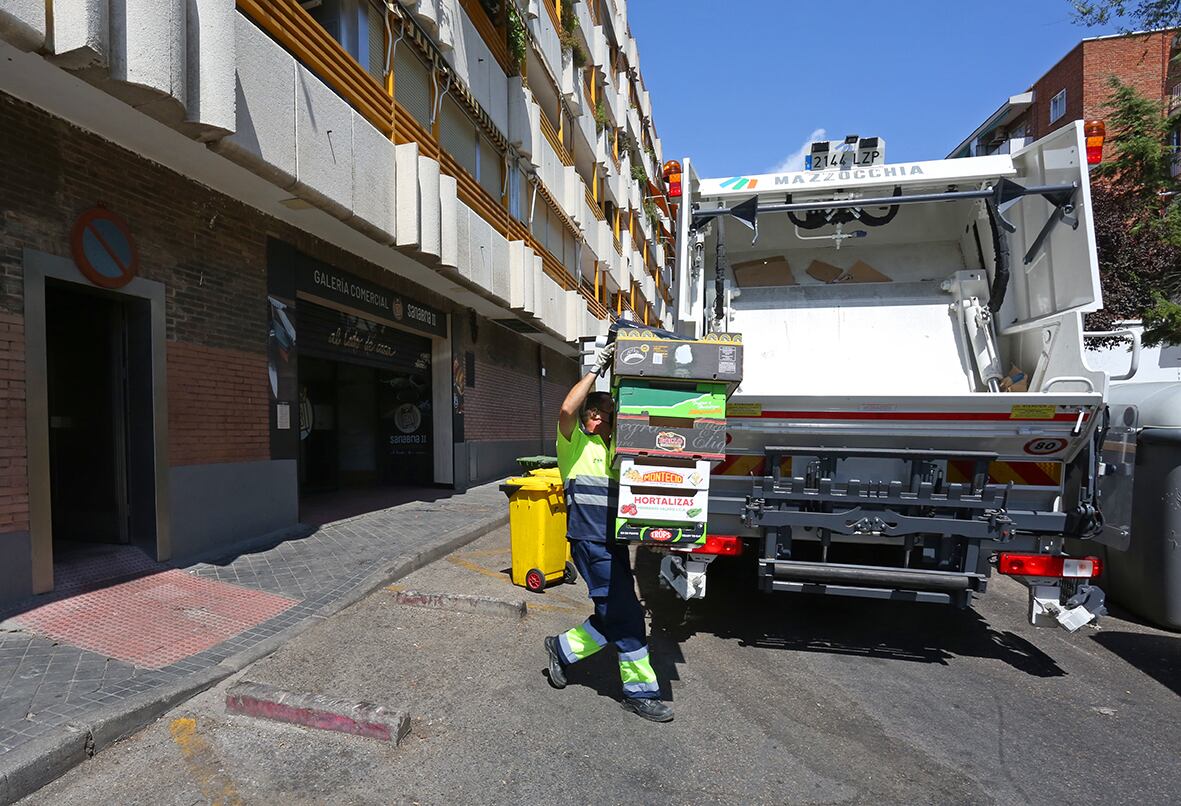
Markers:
915,409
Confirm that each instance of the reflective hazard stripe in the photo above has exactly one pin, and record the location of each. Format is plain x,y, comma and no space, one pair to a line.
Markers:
636,672
581,642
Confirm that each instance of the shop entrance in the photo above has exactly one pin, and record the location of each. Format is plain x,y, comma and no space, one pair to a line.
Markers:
101,451
365,409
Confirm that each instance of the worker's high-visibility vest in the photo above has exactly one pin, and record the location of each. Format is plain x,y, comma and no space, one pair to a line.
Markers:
584,461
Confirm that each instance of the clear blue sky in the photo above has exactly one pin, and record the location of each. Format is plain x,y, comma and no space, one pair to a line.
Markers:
740,85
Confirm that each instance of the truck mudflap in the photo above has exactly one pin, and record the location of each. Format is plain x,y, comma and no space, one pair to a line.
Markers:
1046,608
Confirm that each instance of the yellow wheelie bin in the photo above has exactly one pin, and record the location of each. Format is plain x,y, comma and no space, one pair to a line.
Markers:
537,523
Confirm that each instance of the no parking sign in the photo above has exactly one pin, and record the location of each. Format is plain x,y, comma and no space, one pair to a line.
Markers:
103,248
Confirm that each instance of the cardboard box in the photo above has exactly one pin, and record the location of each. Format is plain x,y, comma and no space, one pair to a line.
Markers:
691,400
642,354
681,534
636,474
638,436
1015,381
664,506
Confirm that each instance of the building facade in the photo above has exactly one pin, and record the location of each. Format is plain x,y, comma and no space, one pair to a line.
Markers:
1077,88
261,251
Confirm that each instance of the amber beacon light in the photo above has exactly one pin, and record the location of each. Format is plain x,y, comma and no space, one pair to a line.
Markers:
672,178
1094,131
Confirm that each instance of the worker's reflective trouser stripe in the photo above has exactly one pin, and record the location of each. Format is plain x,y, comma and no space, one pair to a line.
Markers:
581,642
635,669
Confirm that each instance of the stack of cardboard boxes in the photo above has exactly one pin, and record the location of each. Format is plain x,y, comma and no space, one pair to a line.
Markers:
670,427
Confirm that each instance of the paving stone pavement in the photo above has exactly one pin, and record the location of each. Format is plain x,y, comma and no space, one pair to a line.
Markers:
45,683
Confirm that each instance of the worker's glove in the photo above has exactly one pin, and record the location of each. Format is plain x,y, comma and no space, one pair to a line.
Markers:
606,356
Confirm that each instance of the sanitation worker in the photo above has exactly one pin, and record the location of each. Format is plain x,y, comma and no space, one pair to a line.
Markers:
584,460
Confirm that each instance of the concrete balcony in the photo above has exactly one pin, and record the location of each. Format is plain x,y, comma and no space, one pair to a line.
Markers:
618,100
599,51
633,123
616,185
585,134
473,62
546,36
600,150
573,192
569,81
620,272
291,129
524,117
586,26
646,105
151,54
550,168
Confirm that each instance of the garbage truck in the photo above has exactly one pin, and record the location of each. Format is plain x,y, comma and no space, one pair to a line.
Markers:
915,411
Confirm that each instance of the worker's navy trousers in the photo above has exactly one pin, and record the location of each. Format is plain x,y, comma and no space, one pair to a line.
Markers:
618,618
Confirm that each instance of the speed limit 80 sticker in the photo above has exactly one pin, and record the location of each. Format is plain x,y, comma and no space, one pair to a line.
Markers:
1044,446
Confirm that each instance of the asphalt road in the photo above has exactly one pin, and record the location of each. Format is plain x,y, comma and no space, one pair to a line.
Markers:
778,700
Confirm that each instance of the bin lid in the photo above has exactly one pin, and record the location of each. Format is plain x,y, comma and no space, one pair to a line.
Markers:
542,484
546,472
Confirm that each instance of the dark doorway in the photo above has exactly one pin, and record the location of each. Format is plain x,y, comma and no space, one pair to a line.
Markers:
366,414
101,456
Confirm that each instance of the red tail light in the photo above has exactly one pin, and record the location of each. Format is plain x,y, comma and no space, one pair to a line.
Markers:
726,545
1046,565
1094,131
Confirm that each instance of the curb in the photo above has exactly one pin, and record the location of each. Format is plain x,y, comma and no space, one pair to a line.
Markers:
319,712
30,766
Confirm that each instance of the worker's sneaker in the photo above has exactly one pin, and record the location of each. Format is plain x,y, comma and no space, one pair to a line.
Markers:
651,709
557,670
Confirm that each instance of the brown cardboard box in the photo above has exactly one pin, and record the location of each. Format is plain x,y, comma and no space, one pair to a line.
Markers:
1015,381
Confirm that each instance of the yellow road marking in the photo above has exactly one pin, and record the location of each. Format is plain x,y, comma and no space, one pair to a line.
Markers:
202,764
502,551
479,569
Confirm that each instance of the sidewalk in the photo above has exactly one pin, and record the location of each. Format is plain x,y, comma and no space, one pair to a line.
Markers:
97,657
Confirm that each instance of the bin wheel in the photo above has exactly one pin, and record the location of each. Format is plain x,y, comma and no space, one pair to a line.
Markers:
571,574
534,580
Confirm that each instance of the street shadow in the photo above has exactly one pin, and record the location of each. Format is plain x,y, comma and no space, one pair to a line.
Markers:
1156,655
321,509
735,609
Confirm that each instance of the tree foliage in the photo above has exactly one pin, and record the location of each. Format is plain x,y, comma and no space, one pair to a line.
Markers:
1131,15
1138,219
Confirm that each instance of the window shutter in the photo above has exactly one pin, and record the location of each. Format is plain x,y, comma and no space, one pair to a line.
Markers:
457,135
491,168
375,26
412,85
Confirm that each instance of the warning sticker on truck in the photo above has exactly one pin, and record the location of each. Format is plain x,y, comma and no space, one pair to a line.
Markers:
1032,412
744,409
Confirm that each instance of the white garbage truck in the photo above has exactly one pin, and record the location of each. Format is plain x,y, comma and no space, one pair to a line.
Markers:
915,411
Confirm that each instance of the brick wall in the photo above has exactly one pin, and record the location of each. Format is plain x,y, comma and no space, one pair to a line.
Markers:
1067,75
220,390
1141,61
510,399
14,492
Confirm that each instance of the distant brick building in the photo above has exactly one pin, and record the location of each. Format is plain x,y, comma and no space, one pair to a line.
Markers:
1076,88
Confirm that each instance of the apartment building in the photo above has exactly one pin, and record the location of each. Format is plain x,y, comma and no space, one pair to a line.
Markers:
254,253
1076,88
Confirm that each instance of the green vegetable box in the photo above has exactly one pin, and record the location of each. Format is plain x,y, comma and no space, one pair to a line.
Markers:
688,400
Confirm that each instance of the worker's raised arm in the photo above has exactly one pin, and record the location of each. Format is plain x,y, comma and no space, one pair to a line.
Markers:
572,405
